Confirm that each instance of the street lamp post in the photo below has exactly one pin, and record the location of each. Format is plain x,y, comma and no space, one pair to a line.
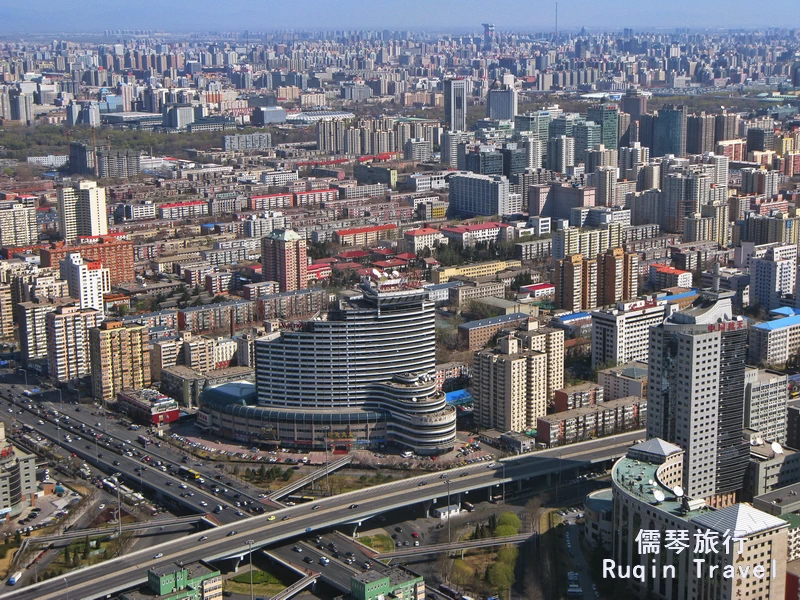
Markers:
250,552
66,583
119,511
325,431
504,481
558,482
60,399
449,537
26,376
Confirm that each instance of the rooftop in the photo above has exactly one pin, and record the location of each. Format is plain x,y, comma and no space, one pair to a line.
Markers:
494,321
740,518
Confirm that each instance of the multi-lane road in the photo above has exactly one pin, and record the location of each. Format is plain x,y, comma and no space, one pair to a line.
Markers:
129,570
167,484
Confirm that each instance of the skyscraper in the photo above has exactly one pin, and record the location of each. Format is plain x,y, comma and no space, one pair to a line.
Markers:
696,395
120,357
635,104
509,383
455,104
607,116
284,259
369,361
502,103
68,341
18,225
87,281
669,131
617,276
700,133
473,194
82,210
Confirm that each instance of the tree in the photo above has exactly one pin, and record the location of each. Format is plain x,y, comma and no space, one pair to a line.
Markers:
461,572
505,531
86,547
511,519
67,556
508,555
500,576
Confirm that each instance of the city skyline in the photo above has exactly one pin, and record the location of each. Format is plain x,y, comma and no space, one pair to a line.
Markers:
42,16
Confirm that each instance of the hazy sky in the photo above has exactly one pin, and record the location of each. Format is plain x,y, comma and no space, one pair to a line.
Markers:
441,15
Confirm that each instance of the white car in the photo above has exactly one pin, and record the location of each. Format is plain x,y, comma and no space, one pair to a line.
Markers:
203,503
101,507
159,555
182,486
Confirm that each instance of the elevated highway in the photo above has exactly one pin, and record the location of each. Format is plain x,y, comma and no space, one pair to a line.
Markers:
127,571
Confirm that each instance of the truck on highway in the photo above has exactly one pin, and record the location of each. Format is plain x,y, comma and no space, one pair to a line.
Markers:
14,579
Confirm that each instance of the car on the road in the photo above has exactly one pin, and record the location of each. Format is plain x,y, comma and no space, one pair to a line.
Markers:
421,483
414,534
324,560
231,533
315,507
182,486
406,543
101,507
41,422
285,518
203,538
353,506
416,542
398,529
297,548
308,560
159,555
203,503
168,482
116,463
239,513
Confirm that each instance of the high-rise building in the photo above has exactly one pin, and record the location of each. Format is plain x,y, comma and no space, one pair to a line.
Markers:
669,131
635,104
765,397
87,281
450,142
605,179
726,127
700,133
472,194
455,104
576,283
32,319
115,255
82,210
509,384
284,259
754,538
68,341
120,358
696,395
502,103
18,226
607,116
369,362
560,153
418,150
617,276
587,136
760,182
331,136
773,276
620,334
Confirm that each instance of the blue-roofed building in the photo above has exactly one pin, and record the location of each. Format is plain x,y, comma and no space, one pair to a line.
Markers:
575,325
476,334
774,342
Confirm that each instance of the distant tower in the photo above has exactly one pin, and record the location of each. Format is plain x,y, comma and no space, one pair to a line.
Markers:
488,36
455,104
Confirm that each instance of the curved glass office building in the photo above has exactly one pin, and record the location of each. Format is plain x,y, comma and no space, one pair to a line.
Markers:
362,375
